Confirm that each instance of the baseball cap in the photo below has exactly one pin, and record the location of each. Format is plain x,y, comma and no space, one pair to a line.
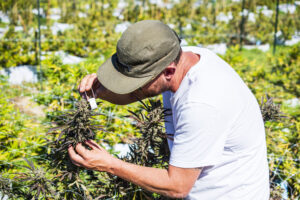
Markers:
144,50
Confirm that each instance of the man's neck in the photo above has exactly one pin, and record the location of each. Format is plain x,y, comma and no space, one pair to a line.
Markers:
186,62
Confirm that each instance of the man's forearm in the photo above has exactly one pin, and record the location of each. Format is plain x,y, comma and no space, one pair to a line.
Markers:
151,179
174,182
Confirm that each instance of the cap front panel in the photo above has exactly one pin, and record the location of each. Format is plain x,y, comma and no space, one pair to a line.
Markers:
142,46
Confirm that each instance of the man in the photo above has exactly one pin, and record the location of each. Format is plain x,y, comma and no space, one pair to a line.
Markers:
218,149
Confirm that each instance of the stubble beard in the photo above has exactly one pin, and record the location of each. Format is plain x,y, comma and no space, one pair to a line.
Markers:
162,89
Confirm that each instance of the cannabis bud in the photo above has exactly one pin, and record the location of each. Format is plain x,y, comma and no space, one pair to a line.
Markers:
77,126
5,187
35,178
151,149
269,110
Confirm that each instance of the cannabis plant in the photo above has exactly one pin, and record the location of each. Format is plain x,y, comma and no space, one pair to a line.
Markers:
39,185
151,149
5,188
76,126
270,111
276,192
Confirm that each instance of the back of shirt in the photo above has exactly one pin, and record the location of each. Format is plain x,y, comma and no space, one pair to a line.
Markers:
217,125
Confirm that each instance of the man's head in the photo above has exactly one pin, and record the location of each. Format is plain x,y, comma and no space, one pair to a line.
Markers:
144,51
162,82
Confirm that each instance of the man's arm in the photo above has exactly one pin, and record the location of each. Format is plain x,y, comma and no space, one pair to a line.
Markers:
175,182
91,82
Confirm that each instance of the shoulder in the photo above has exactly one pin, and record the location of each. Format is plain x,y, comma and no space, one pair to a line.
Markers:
196,49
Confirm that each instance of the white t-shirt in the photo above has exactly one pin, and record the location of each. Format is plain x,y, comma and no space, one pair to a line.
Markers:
217,125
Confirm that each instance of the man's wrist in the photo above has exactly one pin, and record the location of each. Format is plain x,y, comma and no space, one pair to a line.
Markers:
112,165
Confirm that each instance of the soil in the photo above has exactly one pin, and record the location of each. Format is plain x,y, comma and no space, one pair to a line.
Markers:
27,106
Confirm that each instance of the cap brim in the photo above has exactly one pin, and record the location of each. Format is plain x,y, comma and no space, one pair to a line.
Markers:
115,81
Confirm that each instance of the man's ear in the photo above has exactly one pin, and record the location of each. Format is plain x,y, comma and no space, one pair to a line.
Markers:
169,72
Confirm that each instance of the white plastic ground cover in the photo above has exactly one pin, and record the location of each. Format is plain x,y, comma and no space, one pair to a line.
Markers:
262,47
293,103
120,28
295,39
27,73
3,31
65,57
3,197
4,18
123,149
222,17
219,48
54,17
20,74
264,10
287,8
60,27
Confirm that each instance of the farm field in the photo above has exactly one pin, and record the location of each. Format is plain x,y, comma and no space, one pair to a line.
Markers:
46,49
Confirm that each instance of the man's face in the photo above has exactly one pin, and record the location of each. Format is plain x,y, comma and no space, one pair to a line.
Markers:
155,87
158,85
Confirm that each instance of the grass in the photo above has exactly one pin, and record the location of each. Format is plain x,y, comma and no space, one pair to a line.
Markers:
261,57
3,25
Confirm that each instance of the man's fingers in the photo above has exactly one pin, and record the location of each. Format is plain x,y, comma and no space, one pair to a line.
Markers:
93,147
93,144
75,163
90,81
74,156
81,150
83,83
87,83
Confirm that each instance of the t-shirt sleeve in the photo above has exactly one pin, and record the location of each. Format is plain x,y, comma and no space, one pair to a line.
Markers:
199,136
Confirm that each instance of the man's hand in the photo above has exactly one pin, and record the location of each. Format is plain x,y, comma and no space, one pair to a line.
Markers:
175,182
91,82
95,159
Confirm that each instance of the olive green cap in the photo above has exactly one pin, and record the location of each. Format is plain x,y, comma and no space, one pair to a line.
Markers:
144,50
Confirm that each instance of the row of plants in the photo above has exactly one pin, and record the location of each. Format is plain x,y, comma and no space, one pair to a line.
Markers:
22,137
94,35
52,175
